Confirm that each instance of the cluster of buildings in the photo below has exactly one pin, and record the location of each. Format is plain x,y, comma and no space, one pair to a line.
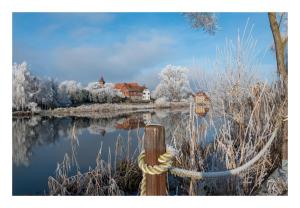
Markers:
132,90
135,92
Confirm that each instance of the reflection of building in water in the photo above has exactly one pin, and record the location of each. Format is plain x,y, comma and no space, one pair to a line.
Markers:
147,118
102,132
201,98
201,110
130,123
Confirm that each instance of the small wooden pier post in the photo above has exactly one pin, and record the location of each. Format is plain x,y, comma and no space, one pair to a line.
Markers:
154,145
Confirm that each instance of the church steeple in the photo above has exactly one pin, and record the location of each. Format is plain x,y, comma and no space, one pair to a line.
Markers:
101,82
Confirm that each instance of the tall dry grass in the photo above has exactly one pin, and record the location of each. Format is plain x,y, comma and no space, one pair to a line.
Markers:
244,111
120,176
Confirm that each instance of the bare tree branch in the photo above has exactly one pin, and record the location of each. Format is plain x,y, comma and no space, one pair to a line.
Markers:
203,20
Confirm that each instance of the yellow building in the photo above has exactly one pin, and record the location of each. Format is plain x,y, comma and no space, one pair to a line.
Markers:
201,98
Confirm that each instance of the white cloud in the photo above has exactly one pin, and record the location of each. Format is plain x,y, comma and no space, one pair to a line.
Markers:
124,60
85,32
50,29
86,18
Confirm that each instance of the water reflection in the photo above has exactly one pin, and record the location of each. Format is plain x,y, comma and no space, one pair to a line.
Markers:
201,110
131,122
29,132
39,143
42,131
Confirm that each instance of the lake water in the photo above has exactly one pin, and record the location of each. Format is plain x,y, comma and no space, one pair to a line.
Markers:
40,143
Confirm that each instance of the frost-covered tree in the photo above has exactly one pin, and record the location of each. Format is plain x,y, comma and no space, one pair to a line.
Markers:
33,93
174,84
30,92
74,91
206,21
24,86
46,96
107,94
63,98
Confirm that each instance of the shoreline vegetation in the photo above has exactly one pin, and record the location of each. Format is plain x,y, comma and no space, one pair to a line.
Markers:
105,110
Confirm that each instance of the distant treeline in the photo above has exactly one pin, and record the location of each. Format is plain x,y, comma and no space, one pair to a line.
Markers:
33,93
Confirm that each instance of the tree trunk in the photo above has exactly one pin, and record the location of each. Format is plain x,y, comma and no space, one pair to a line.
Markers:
282,70
279,46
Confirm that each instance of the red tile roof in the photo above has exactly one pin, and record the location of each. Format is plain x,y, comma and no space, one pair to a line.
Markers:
202,94
130,86
129,89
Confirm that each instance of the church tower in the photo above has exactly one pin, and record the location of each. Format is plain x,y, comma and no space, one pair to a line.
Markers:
101,82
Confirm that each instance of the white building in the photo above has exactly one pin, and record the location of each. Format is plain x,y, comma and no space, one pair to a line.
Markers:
146,94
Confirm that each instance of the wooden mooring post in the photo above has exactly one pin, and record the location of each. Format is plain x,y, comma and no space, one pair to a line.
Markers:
154,145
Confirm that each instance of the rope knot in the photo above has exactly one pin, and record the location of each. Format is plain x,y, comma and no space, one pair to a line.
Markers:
165,162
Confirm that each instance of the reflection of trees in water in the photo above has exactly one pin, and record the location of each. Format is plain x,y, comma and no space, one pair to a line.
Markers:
179,126
37,131
101,126
174,123
21,131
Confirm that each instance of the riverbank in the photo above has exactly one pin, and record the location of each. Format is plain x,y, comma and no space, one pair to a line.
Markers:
104,110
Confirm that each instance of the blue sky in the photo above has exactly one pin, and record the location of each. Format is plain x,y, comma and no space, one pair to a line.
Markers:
126,47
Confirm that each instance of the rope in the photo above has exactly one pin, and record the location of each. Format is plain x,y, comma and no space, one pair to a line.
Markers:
199,175
165,162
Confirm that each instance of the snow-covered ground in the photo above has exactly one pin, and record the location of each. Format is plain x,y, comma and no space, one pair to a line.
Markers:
110,110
